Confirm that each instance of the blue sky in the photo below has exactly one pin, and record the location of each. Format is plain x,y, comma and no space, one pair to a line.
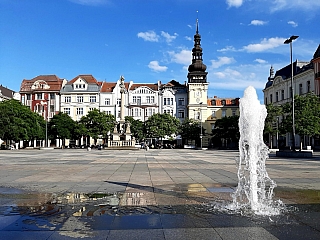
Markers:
151,40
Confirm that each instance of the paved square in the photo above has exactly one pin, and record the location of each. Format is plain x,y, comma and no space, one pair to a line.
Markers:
155,194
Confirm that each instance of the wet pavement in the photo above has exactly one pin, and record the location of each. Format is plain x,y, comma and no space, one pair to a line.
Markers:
155,194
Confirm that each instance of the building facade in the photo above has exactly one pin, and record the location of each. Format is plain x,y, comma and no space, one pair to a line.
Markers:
6,94
42,94
278,90
79,96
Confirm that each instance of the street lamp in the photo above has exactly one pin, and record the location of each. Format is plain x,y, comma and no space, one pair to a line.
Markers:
289,41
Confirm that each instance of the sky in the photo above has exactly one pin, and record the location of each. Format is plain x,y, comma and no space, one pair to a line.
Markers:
151,40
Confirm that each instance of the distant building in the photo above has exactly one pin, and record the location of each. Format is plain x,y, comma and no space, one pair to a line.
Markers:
42,94
79,96
278,90
6,94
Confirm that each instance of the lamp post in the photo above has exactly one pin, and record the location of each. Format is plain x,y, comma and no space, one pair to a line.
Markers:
289,41
200,126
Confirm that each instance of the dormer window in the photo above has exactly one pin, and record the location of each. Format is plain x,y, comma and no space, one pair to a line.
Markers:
79,86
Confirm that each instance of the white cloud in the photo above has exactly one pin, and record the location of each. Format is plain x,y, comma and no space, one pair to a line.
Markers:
227,49
154,65
240,77
221,61
293,24
169,38
261,61
189,26
149,36
183,57
188,38
258,22
90,2
234,3
264,45
296,4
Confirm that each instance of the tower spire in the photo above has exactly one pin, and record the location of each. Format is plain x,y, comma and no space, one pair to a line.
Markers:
197,23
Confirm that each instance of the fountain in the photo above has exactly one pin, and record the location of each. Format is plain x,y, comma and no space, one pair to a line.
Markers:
255,188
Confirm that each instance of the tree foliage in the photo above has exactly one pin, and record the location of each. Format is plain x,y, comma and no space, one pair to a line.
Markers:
137,128
306,115
98,123
190,129
61,126
226,128
19,122
161,125
272,118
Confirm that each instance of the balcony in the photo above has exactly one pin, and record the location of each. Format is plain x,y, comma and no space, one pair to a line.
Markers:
140,104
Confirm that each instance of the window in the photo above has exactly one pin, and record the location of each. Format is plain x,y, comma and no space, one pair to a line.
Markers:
277,96
119,113
107,101
79,86
223,113
108,112
139,100
234,112
136,112
181,101
52,96
270,98
79,98
140,112
150,112
197,116
67,111
308,86
212,126
67,99
79,111
213,113
28,97
290,92
300,89
134,99
119,102
148,99
181,114
282,94
168,101
152,99
223,102
93,98
91,109
39,95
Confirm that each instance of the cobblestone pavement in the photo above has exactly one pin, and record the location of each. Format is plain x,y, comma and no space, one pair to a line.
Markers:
155,194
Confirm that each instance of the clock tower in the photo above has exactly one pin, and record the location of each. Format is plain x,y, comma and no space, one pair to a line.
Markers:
197,81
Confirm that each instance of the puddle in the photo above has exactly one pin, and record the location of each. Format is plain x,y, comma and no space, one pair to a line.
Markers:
298,196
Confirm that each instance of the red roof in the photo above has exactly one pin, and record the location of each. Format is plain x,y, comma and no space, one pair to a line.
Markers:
149,85
53,81
88,78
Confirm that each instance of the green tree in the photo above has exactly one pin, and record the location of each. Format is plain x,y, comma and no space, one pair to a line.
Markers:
98,123
190,130
271,123
226,130
61,126
161,125
137,128
19,122
306,115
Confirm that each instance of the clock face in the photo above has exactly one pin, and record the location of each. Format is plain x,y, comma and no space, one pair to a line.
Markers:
198,100
198,93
